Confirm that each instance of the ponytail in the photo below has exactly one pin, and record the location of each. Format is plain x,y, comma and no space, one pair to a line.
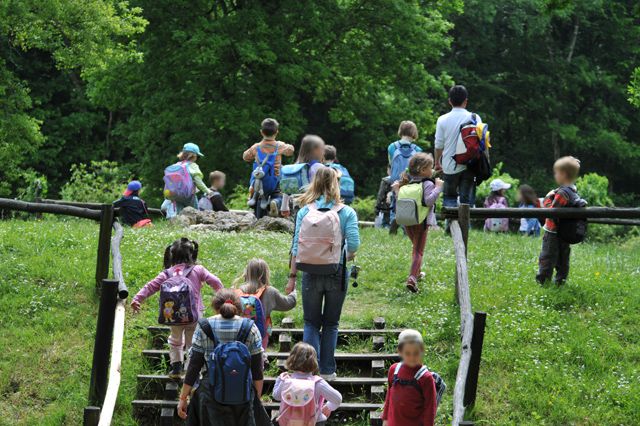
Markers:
417,163
227,303
404,178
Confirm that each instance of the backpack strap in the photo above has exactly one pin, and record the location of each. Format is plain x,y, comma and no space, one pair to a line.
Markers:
205,325
245,329
424,370
395,373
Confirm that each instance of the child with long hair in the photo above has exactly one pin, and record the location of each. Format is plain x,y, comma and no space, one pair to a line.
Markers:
180,259
302,364
256,281
420,171
528,199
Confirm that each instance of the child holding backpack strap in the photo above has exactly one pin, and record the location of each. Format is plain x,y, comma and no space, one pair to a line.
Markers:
231,348
414,392
258,298
305,398
183,179
417,196
180,286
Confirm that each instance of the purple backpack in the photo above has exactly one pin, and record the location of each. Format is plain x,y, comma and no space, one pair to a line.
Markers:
177,301
178,183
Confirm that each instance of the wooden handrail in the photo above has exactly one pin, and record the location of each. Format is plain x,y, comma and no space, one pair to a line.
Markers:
67,210
109,404
116,259
92,206
556,213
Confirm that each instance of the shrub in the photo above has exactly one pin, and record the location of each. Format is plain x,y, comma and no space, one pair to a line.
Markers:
595,189
30,182
365,207
99,182
484,190
237,200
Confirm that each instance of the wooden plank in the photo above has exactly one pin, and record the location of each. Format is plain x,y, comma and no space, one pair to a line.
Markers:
466,322
339,381
166,416
464,218
298,332
347,406
171,390
23,206
375,418
378,368
115,366
104,243
477,340
556,213
287,323
378,343
340,356
91,416
284,339
116,260
379,323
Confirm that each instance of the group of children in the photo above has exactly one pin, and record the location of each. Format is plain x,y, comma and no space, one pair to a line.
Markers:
497,199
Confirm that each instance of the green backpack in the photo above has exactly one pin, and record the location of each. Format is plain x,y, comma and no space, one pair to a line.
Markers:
410,209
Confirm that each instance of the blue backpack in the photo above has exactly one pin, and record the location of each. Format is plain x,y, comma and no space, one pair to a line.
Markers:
400,160
347,184
230,366
266,162
294,178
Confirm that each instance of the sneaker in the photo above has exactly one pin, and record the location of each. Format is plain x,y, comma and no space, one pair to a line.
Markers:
412,284
329,377
422,276
251,202
176,370
273,209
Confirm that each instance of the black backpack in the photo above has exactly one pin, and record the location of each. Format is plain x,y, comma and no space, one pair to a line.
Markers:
572,231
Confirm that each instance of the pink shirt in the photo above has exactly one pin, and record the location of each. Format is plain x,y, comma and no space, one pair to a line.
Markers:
198,275
324,391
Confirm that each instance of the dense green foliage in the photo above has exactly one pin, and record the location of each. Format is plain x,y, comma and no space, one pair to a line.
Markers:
100,181
551,356
132,81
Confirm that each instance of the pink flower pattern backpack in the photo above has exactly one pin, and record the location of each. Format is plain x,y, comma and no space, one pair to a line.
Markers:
298,406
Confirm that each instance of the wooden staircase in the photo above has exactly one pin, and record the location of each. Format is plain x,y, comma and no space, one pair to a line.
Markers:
362,376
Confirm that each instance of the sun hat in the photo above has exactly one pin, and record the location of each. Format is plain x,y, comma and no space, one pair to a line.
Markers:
132,187
193,148
498,184
410,336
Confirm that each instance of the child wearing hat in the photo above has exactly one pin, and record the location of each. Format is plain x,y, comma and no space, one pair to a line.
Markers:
133,209
411,398
189,155
497,200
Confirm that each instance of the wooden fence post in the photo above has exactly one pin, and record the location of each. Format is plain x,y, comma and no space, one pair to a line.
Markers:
104,243
464,218
91,416
102,346
38,196
471,387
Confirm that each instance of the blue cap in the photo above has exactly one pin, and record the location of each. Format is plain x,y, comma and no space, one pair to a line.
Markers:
133,186
193,148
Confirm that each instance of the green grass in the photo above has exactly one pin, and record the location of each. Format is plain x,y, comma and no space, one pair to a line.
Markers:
552,356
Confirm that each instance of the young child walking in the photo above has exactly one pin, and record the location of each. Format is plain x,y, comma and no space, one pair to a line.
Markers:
411,397
556,252
177,181
418,183
257,294
306,399
180,312
497,200
528,199
133,209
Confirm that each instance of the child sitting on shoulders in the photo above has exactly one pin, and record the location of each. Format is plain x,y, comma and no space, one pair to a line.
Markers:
306,398
133,209
411,397
214,201
179,261
256,281
528,199
497,200
556,252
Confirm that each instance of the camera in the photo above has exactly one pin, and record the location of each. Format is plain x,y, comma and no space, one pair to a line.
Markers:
353,274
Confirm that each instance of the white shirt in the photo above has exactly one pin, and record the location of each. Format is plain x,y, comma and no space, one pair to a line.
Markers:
447,131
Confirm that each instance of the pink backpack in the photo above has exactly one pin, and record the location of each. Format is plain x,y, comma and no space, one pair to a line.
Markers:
178,183
298,406
320,241
497,224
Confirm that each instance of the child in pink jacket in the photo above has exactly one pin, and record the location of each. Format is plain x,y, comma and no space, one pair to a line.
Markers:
180,256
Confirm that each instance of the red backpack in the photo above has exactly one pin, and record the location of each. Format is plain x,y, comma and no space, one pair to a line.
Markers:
470,143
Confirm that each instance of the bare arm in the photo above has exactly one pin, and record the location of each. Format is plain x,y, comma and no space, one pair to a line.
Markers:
438,152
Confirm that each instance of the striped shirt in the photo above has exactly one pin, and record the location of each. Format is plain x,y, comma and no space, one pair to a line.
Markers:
555,199
268,147
226,330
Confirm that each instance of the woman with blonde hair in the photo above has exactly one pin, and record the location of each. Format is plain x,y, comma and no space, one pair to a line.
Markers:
326,236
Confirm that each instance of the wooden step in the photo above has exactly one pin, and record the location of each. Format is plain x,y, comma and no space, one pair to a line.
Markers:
340,356
340,381
297,332
347,406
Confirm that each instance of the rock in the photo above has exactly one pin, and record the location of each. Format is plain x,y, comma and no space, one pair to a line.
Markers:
247,221
207,217
223,226
277,224
182,221
191,214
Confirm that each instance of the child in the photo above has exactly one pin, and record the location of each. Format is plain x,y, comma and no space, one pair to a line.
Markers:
420,171
347,184
181,256
256,281
215,201
556,253
268,146
528,199
411,398
497,200
383,202
169,208
302,380
133,209
189,156
312,154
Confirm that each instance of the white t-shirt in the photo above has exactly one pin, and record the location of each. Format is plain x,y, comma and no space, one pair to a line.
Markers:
447,131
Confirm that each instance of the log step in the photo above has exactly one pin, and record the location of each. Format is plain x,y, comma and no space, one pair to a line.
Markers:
297,332
347,406
340,356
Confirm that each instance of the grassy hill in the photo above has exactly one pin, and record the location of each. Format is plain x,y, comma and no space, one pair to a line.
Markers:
552,356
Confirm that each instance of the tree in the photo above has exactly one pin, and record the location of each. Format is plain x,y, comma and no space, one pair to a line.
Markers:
634,88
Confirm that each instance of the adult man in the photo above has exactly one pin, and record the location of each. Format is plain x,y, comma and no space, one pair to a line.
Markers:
458,180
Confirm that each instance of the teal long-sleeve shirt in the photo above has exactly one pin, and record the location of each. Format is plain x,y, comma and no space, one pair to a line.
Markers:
348,222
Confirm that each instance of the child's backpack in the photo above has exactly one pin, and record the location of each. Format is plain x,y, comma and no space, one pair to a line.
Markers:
441,386
320,241
265,166
572,231
177,301
298,406
294,178
178,183
400,160
497,224
253,309
230,366
473,140
410,208
204,204
347,184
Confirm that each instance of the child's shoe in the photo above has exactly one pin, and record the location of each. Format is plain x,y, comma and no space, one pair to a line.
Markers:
251,202
422,276
273,209
412,284
329,377
176,370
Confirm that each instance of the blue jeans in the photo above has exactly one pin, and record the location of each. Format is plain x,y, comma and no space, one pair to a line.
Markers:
322,300
458,185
